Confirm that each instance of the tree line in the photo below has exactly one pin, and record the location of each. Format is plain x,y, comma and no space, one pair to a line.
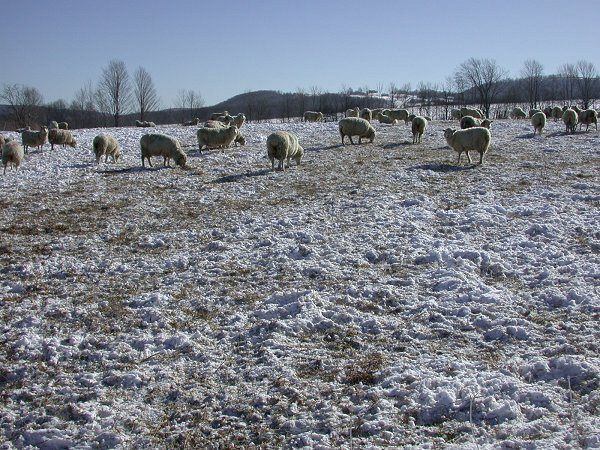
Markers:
119,99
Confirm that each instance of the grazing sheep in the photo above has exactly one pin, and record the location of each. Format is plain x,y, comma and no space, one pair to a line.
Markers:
34,138
365,113
477,113
538,120
356,126
215,116
455,114
53,124
398,114
283,145
410,118
63,125
470,122
12,152
216,137
575,108
189,123
418,128
548,111
155,144
354,112
557,113
144,124
239,139
239,120
61,137
588,117
518,113
472,139
533,111
313,116
107,145
386,119
375,113
570,120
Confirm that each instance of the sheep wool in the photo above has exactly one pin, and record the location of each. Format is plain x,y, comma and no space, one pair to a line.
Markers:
356,126
471,139
107,145
570,120
419,124
281,146
538,120
155,144
12,153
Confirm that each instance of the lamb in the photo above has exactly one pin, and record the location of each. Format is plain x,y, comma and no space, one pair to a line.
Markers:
107,145
34,138
356,126
570,120
455,114
365,113
154,144
472,139
63,125
352,112
588,117
477,113
538,120
313,116
53,124
216,137
418,128
518,113
386,119
533,111
12,152
283,145
239,120
398,114
470,122
557,113
61,137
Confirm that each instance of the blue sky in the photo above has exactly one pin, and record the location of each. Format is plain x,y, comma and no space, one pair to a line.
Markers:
224,48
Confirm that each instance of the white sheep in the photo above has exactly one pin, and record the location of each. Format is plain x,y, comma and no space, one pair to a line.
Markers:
386,119
570,120
313,116
356,126
398,114
354,112
470,122
168,147
576,108
557,113
61,137
53,124
538,120
12,153
189,123
472,139
239,120
455,114
216,137
3,140
533,111
365,113
214,124
375,113
226,119
518,113
63,125
239,139
105,144
418,128
215,116
548,111
477,113
283,145
34,138
588,117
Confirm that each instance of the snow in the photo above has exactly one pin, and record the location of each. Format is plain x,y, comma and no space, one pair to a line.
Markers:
377,294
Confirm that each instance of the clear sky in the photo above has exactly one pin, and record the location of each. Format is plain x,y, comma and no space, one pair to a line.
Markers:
226,47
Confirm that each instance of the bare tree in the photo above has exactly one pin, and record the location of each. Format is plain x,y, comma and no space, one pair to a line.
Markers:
188,102
533,72
114,90
485,77
57,110
24,103
144,91
568,75
393,90
315,92
84,106
587,79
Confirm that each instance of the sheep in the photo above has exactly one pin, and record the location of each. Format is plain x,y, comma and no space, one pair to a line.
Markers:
375,113
386,119
477,113
313,116
410,118
533,111
107,145
63,125
418,128
20,130
61,137
356,126
189,123
216,137
154,144
576,109
239,139
518,113
398,114
428,118
53,124
34,138
12,152
354,112
557,113
470,122
144,124
226,119
472,139
455,114
214,124
365,113
588,117
570,120
3,140
215,116
239,120
538,120
283,145
548,111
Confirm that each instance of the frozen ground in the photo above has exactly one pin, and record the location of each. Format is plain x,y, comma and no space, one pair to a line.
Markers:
375,296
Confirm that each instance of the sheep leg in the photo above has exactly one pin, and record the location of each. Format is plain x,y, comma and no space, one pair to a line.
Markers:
272,163
350,137
4,169
359,140
143,161
481,158
469,157
458,162
149,161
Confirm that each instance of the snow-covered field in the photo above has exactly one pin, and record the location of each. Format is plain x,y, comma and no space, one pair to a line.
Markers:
377,295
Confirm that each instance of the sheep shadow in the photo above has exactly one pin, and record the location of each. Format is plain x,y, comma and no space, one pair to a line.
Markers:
78,166
442,167
525,136
241,176
137,169
328,147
